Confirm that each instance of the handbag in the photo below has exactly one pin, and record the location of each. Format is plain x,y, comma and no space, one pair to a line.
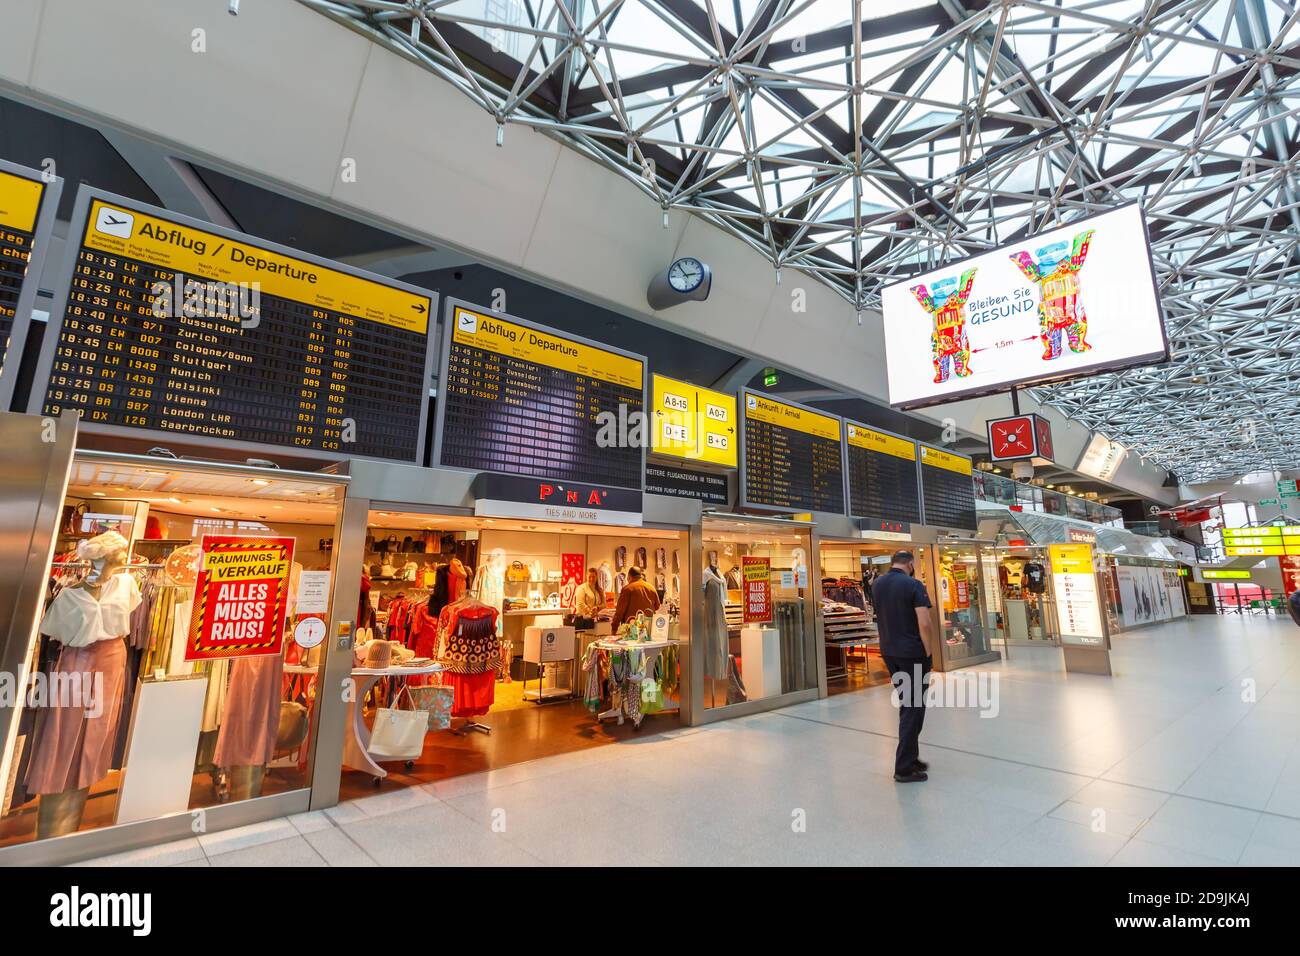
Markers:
292,729
517,572
436,700
398,734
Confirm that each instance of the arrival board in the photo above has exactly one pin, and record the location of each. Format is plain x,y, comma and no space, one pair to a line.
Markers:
27,208
882,474
947,489
175,326
520,399
793,457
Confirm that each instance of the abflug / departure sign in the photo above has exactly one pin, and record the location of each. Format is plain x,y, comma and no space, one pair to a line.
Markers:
793,457
27,207
521,399
1065,303
178,327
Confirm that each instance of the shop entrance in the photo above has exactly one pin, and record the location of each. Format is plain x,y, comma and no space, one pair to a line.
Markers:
1017,595
849,568
161,731
507,629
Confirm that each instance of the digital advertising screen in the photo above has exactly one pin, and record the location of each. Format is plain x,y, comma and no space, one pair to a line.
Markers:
1066,303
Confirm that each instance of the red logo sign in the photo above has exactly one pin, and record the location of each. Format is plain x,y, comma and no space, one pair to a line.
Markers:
1021,436
240,597
547,492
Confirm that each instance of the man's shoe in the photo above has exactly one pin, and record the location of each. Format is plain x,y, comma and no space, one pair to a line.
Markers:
916,776
921,765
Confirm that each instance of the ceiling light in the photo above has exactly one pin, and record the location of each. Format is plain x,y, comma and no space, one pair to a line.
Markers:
259,481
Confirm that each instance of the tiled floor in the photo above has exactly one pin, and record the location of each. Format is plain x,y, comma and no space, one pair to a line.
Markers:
1189,755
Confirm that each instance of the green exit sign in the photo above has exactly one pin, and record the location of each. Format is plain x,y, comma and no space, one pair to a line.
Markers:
770,378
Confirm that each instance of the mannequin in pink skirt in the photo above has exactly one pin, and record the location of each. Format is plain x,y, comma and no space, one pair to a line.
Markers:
75,745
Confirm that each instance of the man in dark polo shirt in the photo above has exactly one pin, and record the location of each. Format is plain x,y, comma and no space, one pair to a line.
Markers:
906,643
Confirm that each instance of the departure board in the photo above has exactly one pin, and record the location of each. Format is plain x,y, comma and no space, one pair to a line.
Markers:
947,489
792,456
882,474
178,327
27,208
520,399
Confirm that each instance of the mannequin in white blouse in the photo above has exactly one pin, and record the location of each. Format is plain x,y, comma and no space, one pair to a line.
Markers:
84,615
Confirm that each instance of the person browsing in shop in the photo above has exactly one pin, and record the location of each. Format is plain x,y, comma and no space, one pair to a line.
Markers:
635,596
902,607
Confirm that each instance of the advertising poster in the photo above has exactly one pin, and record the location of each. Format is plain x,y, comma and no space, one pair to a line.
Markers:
1290,573
757,575
1070,301
573,568
240,597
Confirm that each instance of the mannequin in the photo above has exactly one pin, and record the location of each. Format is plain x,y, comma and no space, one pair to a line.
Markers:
246,740
78,735
717,644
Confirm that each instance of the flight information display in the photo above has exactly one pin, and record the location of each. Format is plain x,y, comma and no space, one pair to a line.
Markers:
27,208
793,457
179,327
947,489
521,399
882,474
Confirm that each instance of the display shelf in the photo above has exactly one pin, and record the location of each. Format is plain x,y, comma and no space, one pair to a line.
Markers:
849,626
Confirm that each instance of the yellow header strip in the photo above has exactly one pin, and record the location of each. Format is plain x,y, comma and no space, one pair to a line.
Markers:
942,459
873,440
1071,558
20,198
481,331
772,412
169,245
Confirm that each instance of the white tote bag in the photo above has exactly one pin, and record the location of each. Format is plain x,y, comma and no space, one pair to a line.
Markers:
398,734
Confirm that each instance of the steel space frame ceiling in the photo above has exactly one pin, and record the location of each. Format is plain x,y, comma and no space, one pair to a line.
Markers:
863,141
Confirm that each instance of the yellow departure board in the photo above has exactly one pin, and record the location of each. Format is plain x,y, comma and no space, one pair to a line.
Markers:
521,399
28,203
175,326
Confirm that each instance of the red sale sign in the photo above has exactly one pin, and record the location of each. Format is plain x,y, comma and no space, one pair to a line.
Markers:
757,578
239,597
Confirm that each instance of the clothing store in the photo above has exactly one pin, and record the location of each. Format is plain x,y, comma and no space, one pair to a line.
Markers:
489,631
170,651
849,566
757,633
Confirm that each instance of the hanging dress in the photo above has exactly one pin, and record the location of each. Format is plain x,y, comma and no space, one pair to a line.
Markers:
470,654
717,647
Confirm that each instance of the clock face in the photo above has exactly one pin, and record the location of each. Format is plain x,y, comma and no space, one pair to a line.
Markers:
685,275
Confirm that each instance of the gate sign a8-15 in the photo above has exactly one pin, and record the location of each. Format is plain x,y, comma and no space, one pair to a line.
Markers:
1074,301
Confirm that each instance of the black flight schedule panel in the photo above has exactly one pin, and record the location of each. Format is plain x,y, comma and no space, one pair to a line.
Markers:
519,399
793,457
947,489
882,475
27,204
172,326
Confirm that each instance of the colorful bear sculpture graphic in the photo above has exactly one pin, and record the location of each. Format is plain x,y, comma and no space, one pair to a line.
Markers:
946,301
1059,309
